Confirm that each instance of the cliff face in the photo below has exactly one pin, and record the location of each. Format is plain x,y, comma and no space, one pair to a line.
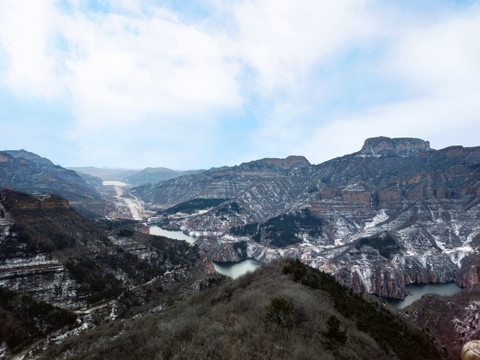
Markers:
222,183
427,200
469,272
54,254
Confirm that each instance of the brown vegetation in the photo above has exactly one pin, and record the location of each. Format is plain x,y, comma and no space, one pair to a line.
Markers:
261,315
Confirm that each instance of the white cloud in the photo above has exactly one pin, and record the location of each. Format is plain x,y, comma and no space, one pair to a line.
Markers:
142,72
436,66
27,37
134,68
135,65
442,57
284,40
440,120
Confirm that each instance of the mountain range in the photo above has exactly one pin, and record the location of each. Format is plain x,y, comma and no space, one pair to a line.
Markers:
134,177
25,171
394,213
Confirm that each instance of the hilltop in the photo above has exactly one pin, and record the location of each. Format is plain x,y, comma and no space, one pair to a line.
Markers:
285,310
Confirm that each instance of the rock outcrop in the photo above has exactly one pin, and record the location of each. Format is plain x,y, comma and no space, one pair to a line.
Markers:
471,350
286,163
381,146
469,273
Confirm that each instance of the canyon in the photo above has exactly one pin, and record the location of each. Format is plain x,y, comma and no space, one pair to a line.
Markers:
397,212
394,213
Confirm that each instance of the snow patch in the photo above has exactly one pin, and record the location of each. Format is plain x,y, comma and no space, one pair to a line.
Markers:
339,242
355,187
34,261
3,350
365,274
379,218
423,259
468,324
112,315
458,254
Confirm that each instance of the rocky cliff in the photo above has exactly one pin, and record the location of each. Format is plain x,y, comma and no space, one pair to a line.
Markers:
223,183
51,252
427,200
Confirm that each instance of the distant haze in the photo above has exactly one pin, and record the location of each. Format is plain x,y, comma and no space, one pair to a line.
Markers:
133,177
105,173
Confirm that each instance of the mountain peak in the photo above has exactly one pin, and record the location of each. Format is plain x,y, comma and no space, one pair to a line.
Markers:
383,145
29,156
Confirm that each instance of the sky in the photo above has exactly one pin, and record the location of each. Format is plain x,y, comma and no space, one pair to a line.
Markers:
197,84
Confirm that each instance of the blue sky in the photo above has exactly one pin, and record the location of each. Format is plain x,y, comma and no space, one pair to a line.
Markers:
196,84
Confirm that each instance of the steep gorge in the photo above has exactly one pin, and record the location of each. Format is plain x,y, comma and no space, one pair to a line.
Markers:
427,200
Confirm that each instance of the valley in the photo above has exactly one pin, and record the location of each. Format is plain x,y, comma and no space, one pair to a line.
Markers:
123,199
235,180
394,215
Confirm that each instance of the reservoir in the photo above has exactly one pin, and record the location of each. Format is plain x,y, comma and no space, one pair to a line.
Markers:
234,270
176,235
418,290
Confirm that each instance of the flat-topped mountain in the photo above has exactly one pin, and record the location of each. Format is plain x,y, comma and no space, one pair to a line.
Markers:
394,213
286,163
382,145
266,166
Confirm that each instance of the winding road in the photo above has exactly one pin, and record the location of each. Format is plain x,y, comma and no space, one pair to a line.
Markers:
133,204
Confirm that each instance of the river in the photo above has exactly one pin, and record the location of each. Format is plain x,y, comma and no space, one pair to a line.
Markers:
176,235
234,270
418,290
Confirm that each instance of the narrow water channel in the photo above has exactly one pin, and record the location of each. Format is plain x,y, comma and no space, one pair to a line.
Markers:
234,270
176,235
418,290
